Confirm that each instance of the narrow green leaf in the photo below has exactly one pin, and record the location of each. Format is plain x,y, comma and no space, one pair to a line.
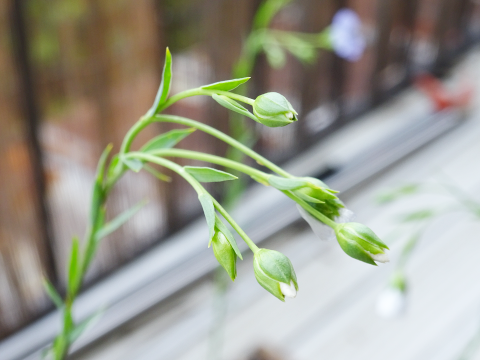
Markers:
47,353
157,173
281,183
121,219
233,105
112,167
164,87
84,325
209,210
226,85
419,215
133,164
167,140
59,346
275,54
221,226
98,193
74,264
397,193
52,293
206,174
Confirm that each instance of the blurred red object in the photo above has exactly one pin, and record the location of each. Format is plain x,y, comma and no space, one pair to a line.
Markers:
440,96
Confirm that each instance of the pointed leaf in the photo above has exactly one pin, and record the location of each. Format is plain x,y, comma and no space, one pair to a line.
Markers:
52,293
286,183
121,219
167,140
74,266
206,174
98,193
233,105
164,88
157,173
133,164
228,235
209,210
84,325
226,85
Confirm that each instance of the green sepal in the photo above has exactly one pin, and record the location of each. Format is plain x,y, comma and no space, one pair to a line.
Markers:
281,183
164,87
52,293
121,219
233,105
231,239
227,85
133,164
354,250
224,253
209,211
74,267
206,174
167,140
364,232
302,195
272,267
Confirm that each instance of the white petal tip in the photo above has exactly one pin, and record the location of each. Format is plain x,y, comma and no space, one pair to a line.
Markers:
391,303
288,290
381,258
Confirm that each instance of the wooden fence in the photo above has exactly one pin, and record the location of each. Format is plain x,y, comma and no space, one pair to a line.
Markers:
76,74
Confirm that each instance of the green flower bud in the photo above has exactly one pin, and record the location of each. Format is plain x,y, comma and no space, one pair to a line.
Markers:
224,253
361,243
273,110
274,272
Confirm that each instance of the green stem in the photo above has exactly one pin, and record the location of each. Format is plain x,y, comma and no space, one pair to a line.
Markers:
195,155
311,210
220,135
235,226
199,91
199,189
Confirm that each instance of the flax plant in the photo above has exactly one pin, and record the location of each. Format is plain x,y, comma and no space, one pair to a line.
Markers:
273,270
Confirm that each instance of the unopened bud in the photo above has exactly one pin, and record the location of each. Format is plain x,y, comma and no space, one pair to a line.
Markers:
224,253
274,272
361,243
273,110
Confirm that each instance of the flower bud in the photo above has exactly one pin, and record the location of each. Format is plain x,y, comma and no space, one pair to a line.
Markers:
224,253
361,243
392,301
274,272
273,110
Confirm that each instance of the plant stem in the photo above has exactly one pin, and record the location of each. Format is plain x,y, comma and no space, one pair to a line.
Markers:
311,210
195,155
220,135
199,189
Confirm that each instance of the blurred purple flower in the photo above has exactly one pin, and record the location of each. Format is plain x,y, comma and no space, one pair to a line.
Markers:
346,35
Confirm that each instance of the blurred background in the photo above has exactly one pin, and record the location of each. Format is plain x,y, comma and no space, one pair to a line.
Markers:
76,74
